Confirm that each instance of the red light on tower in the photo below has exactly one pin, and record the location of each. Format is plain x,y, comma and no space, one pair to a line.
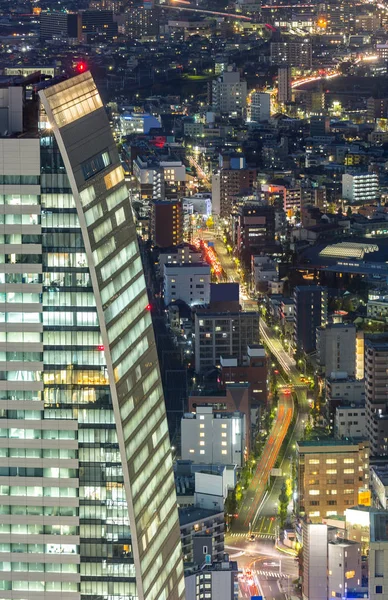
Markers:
81,67
101,348
148,307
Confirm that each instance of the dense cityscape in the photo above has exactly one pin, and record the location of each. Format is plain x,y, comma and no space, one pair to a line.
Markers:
195,302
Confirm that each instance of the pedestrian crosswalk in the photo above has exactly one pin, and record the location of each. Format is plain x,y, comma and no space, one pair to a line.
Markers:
261,536
274,574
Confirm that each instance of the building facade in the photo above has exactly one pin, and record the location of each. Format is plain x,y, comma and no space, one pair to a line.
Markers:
336,348
166,223
86,391
188,282
223,334
260,106
310,312
211,437
330,474
229,93
376,393
360,187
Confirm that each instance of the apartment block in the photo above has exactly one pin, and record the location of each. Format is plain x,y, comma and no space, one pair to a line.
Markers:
189,283
330,475
336,348
376,393
223,334
212,437
310,312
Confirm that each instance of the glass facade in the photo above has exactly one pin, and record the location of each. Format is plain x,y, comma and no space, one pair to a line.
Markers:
128,511
76,385
87,496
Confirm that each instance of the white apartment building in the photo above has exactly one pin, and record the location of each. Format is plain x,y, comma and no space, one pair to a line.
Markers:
377,306
360,186
179,255
314,581
213,438
188,282
263,270
350,422
344,567
260,106
229,93
156,177
341,387
336,348
201,204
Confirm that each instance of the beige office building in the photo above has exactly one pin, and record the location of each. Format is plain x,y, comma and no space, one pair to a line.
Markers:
330,475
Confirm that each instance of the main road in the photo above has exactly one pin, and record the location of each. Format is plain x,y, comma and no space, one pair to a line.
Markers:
254,496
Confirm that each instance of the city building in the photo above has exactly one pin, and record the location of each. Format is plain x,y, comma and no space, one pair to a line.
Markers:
253,370
315,571
377,108
336,348
160,179
98,26
292,54
358,523
379,484
310,312
131,123
284,85
178,255
376,393
287,316
223,334
11,111
235,397
213,581
212,437
378,556
232,180
344,568
254,230
319,126
60,26
330,475
188,282
350,422
260,106
377,305
142,21
360,187
166,223
201,203
229,93
202,533
263,271
83,370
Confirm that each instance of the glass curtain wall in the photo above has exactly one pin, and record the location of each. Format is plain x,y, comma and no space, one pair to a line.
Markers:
76,387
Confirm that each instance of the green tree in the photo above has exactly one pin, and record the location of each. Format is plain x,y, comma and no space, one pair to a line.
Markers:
283,505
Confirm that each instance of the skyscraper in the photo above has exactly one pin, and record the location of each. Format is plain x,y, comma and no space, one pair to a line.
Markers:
87,497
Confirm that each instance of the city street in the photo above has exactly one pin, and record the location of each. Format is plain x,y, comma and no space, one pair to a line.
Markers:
254,497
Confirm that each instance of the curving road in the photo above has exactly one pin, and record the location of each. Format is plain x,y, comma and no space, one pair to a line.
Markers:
250,507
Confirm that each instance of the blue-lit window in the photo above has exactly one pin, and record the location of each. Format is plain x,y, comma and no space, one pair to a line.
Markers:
97,163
